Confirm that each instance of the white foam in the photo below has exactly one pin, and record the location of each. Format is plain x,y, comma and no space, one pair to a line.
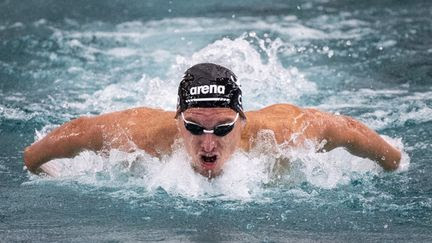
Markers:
246,176
264,80
173,174
14,113
287,26
151,92
388,107
40,22
254,58
161,56
387,43
341,26
16,25
122,52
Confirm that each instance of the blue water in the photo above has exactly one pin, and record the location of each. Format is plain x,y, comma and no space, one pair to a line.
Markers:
367,59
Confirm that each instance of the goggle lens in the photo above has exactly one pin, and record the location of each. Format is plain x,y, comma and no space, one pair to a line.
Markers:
220,130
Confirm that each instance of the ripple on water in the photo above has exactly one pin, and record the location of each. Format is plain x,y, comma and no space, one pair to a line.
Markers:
247,176
100,67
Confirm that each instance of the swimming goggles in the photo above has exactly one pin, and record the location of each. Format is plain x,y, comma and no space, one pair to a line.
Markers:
219,130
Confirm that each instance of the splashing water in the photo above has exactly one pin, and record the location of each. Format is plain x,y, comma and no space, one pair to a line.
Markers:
245,175
256,62
368,61
240,55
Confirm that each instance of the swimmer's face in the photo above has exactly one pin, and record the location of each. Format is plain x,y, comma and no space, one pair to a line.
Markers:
209,152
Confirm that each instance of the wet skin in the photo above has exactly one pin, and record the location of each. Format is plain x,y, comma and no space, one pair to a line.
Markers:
208,152
155,132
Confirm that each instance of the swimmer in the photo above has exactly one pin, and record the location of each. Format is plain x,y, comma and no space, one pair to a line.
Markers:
211,125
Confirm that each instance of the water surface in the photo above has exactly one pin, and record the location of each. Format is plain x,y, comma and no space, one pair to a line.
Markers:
60,60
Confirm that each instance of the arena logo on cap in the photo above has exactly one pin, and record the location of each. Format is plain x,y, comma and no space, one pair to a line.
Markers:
207,89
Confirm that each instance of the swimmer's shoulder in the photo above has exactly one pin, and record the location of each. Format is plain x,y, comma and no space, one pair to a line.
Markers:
282,119
142,122
278,118
281,108
138,114
276,111
153,130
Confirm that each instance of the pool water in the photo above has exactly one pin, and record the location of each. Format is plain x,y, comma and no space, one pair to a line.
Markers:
370,60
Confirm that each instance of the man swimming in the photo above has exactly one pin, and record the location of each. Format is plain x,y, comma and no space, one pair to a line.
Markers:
211,125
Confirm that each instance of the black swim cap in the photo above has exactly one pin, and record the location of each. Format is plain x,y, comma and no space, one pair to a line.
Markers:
209,85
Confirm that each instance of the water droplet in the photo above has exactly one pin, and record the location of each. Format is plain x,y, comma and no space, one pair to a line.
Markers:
249,226
283,217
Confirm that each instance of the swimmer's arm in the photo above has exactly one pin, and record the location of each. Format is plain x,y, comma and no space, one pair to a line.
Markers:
359,140
64,142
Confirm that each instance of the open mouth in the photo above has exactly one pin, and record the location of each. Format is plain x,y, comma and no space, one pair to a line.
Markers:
208,159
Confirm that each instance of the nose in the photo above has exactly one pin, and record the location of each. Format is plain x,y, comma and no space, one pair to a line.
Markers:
209,143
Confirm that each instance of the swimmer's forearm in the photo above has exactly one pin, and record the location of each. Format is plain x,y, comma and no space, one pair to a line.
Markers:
378,150
64,142
361,141
42,152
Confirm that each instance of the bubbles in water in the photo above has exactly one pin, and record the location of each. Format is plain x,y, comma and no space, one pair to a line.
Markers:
13,113
255,57
246,176
255,61
150,92
379,113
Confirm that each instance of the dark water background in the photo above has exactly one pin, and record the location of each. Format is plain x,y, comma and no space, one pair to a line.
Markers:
368,59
